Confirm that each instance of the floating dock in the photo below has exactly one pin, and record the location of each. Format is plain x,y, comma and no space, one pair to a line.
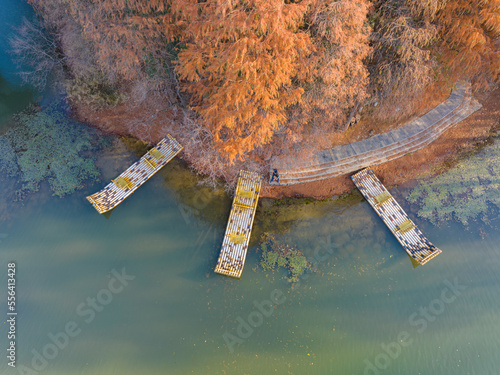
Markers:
138,173
384,204
235,243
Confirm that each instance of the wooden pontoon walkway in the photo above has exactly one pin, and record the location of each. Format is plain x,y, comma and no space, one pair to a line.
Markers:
235,243
406,232
138,173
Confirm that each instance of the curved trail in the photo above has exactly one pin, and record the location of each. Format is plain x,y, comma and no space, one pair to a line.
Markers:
380,148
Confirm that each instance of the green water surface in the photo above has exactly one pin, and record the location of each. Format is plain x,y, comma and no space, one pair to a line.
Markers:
367,310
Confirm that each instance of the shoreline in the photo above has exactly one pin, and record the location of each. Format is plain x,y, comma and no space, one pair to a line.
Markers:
461,138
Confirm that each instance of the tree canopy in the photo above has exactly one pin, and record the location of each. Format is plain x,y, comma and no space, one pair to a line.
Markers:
251,72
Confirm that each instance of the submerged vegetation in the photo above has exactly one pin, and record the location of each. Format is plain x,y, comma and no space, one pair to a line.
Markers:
469,191
46,145
277,255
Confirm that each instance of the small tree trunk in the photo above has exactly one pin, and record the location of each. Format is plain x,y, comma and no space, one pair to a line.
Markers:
353,112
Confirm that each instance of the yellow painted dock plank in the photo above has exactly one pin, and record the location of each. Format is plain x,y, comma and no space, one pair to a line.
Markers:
239,227
137,174
396,219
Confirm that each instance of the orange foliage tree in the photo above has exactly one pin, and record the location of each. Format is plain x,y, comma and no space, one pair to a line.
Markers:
260,71
470,32
125,33
240,60
403,65
338,78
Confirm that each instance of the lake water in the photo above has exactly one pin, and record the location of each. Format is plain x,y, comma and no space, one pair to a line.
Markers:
367,311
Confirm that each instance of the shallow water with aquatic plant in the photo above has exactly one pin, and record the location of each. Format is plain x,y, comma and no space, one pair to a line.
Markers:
366,310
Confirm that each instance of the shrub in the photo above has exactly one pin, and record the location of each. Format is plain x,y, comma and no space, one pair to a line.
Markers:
36,51
93,90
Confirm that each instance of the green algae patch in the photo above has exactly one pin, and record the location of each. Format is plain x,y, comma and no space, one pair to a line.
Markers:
276,254
468,191
46,145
